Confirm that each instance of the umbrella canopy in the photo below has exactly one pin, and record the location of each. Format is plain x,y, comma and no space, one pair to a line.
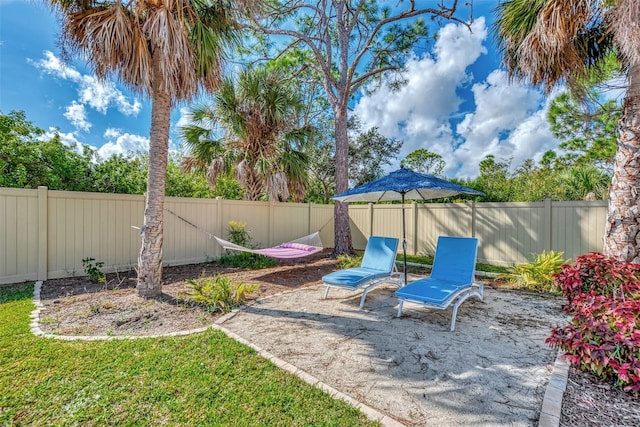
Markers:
404,184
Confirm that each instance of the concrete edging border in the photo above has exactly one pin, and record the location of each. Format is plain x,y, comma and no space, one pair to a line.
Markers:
552,404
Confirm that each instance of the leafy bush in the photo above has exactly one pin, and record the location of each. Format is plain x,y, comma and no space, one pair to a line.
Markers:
220,293
247,260
538,273
348,261
603,335
238,233
92,268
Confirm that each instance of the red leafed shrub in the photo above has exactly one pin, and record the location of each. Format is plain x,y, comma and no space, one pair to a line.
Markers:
603,335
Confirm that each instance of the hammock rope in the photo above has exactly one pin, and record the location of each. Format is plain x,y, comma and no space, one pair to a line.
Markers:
302,246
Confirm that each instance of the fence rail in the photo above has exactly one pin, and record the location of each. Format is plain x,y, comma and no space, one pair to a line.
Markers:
46,234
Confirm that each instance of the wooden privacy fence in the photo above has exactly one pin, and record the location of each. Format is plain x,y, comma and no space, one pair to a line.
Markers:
46,234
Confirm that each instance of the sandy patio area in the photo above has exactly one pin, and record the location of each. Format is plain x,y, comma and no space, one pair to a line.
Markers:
491,371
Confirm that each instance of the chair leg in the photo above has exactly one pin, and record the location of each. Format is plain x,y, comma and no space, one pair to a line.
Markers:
453,317
400,309
326,293
364,295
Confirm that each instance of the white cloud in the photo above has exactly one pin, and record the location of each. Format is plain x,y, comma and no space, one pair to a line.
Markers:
508,119
186,118
51,64
97,94
429,97
122,143
77,115
508,122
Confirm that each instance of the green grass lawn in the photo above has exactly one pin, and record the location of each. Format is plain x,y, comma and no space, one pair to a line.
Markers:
203,379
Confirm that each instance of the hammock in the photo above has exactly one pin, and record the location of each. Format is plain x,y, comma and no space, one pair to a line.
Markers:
302,247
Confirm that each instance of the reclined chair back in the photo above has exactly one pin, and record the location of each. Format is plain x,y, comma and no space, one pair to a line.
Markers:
455,259
380,253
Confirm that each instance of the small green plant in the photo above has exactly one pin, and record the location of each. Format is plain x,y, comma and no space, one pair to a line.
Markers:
247,261
220,293
349,261
538,273
238,234
93,269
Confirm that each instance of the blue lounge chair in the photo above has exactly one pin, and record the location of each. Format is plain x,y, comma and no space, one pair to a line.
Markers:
452,278
378,265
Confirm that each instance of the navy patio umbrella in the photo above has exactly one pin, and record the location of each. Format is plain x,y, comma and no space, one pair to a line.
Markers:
404,184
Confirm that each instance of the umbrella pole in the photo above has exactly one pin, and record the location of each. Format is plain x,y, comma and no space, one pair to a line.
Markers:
404,243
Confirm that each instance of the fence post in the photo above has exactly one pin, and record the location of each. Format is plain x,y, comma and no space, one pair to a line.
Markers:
270,231
43,232
474,218
414,211
370,211
220,226
547,224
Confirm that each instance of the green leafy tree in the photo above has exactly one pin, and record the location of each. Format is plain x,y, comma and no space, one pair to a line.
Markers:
168,50
533,182
548,42
494,180
321,173
29,160
251,128
181,184
352,42
121,174
128,175
424,161
369,151
588,131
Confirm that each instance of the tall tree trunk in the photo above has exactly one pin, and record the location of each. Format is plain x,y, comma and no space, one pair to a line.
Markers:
342,232
622,234
150,259
254,184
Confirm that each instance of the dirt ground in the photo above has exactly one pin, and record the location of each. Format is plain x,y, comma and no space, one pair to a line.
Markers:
77,306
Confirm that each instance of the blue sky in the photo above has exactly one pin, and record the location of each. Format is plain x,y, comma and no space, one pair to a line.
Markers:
457,103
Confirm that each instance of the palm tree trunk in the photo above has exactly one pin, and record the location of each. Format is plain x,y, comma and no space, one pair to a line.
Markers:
150,258
254,185
342,232
622,234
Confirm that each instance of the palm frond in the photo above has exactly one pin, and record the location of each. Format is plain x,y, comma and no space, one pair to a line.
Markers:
549,41
216,168
623,22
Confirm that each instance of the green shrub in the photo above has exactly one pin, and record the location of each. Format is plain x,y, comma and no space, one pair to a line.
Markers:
348,261
92,268
238,234
220,293
247,260
537,274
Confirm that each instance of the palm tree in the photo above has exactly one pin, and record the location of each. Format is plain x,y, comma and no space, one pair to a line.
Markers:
260,136
585,182
167,49
547,42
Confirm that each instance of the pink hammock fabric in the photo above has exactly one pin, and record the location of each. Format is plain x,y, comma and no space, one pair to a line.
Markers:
287,250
